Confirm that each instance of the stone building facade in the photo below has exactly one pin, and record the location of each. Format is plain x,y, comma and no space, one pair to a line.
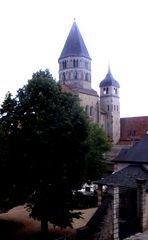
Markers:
128,185
75,73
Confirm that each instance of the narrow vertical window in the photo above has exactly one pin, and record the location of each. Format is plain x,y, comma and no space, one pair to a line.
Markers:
115,90
86,76
74,63
105,90
75,75
63,77
64,64
87,109
91,111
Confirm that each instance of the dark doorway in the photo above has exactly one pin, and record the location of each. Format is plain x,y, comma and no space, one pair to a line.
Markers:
128,220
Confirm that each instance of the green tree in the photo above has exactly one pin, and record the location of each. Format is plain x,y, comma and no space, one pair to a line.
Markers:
46,132
4,185
51,149
98,145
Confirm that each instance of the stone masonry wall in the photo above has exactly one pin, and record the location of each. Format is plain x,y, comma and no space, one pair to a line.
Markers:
106,232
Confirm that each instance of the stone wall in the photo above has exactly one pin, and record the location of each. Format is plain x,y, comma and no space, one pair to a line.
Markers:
106,227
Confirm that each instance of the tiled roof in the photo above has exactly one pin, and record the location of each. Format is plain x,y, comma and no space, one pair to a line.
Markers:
137,154
126,177
67,88
88,91
74,45
133,127
76,87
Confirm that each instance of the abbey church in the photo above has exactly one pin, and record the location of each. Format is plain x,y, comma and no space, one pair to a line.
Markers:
75,74
103,107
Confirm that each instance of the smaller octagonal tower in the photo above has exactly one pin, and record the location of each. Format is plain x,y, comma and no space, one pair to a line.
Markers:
110,102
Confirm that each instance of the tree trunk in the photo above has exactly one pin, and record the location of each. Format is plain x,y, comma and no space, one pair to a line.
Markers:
44,228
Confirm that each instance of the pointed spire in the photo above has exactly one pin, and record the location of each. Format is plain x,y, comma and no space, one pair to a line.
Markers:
109,67
74,45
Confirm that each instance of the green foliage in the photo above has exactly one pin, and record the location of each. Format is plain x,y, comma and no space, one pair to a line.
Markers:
49,149
46,132
98,144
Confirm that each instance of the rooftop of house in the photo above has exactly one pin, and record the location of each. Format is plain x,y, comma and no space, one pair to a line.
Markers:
127,177
137,154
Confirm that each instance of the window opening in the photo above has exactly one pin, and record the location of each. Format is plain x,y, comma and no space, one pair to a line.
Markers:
91,111
87,109
75,75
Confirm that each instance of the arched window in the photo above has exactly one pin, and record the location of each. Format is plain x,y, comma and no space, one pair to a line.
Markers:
86,76
64,64
115,91
75,75
91,111
74,63
87,109
63,77
105,90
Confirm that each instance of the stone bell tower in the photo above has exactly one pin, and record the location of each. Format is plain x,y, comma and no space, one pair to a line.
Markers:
110,102
74,61
75,72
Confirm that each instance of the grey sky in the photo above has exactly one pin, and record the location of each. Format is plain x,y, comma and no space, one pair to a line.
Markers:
33,33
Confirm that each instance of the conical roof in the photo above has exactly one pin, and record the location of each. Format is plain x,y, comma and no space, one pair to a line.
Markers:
109,80
74,45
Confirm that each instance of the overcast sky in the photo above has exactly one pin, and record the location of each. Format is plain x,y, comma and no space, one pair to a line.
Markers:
33,33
